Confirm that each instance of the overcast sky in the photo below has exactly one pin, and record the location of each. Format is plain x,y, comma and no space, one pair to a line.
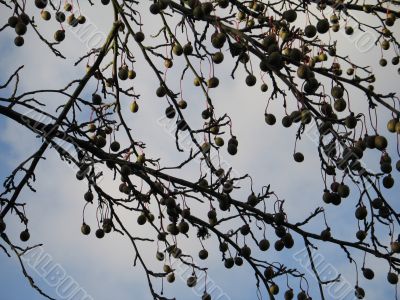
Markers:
104,268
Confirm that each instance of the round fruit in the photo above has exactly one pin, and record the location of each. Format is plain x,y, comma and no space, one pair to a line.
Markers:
81,19
350,121
323,26
343,190
391,125
188,49
60,16
340,105
139,37
182,125
251,80
45,15
302,296
183,227
386,168
270,119
289,294
349,30
12,21
368,273
286,121
170,112
359,292
380,142
238,261
361,235
24,236
326,234
245,251
155,8
59,35
19,41
232,149
177,49
395,247
264,245
377,203
384,212
223,247
311,86
203,254
88,196
115,146
182,104
361,212
264,87
123,73
191,281
85,229
134,107
219,141
337,92
160,256
197,81
131,74
20,28
290,15
388,181
218,57
171,277
274,289
310,31
167,269
229,262
161,91
218,40
298,157
269,273
392,278
141,219
213,82
99,233
279,245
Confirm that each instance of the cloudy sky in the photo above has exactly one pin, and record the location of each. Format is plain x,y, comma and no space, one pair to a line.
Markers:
104,268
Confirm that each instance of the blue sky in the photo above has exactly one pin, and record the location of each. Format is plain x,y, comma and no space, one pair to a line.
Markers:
104,268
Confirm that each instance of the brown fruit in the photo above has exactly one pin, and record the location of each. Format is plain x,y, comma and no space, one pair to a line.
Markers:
59,35
392,278
361,212
380,142
85,229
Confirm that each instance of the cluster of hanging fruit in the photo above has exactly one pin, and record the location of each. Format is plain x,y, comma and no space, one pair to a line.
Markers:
24,235
60,16
19,23
100,232
191,281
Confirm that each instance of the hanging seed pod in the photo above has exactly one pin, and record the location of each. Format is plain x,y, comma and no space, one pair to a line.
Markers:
123,72
134,107
59,35
24,236
19,41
